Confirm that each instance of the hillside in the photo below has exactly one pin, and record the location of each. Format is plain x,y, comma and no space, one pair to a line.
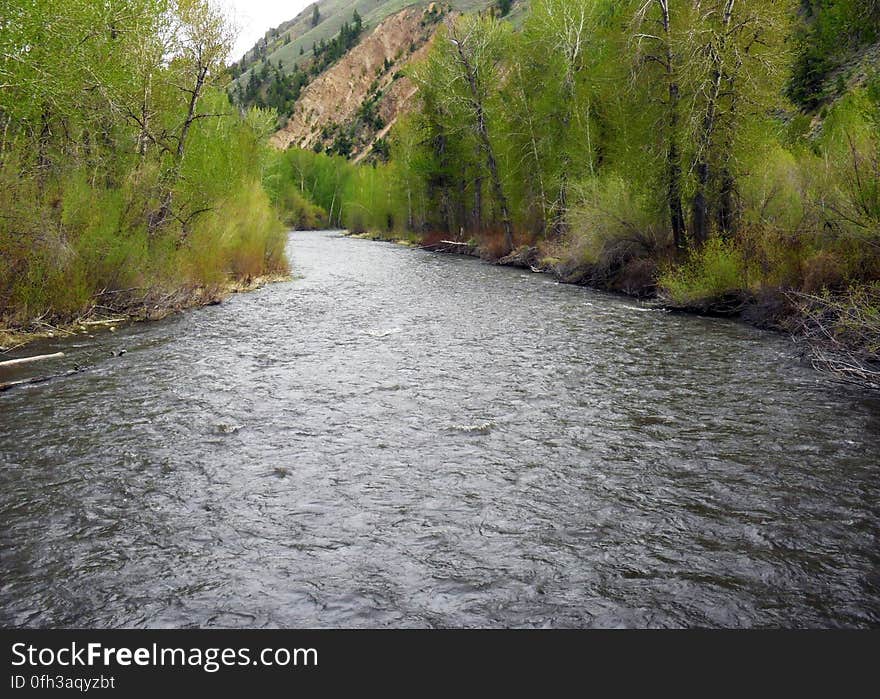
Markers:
853,70
338,84
291,43
357,100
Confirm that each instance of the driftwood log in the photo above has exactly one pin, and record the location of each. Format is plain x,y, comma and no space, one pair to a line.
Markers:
450,246
109,321
29,360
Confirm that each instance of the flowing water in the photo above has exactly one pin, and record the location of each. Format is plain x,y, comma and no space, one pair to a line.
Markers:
397,438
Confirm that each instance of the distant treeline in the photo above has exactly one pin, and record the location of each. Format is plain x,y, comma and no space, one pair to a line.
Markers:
320,190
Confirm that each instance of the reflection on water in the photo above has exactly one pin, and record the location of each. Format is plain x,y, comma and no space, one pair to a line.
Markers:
403,439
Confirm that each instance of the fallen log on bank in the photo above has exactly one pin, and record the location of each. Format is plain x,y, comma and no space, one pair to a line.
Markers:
450,246
524,257
29,360
109,321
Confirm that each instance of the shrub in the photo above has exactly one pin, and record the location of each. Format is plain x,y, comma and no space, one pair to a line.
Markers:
298,212
241,239
774,189
493,243
612,225
852,148
823,271
716,271
638,277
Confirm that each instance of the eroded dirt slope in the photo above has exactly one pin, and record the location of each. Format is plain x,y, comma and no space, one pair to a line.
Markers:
333,103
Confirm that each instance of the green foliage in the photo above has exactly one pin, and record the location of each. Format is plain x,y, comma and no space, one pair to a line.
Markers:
590,125
851,166
271,88
241,239
459,125
121,162
330,52
381,150
595,110
285,180
831,29
716,270
359,198
613,222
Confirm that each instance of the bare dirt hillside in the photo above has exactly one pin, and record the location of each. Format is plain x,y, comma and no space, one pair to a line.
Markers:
359,98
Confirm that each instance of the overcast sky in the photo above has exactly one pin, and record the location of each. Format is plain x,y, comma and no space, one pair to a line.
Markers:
255,17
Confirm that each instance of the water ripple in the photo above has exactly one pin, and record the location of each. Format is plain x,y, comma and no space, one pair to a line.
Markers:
402,439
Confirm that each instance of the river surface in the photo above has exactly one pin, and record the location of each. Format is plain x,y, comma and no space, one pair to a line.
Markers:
403,439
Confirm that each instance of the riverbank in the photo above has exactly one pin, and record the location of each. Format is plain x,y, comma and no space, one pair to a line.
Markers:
113,308
635,280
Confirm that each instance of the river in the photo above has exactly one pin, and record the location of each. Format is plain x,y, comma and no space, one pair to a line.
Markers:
403,439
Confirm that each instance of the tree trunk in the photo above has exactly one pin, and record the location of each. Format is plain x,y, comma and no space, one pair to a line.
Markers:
673,155
144,133
3,141
440,187
496,180
43,162
29,360
457,218
195,95
560,227
726,206
700,209
533,148
477,213
700,212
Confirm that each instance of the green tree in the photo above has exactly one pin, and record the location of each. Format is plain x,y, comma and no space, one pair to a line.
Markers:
739,58
556,64
467,59
101,143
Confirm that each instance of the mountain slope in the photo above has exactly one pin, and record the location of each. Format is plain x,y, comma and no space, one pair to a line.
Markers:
338,85
344,108
291,43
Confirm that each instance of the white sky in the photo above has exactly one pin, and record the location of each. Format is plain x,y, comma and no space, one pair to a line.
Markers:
255,17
